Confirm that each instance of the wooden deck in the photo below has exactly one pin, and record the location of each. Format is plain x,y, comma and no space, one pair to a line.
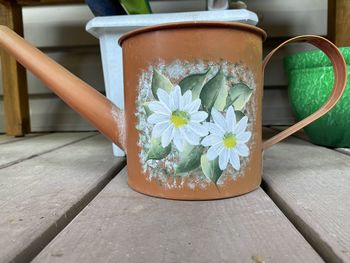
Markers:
64,198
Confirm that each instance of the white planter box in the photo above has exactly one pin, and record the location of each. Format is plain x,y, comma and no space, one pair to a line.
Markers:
109,29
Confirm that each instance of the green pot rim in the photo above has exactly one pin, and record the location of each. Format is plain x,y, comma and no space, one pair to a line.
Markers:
312,59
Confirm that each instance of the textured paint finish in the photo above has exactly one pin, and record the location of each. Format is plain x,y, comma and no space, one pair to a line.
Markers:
310,84
192,43
233,84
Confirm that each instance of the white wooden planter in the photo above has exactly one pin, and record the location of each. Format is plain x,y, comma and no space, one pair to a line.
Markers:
109,29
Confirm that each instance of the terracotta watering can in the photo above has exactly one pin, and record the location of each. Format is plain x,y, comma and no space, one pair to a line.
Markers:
193,105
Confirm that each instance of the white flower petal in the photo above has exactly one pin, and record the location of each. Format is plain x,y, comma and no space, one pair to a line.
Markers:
211,140
214,151
193,106
167,136
230,119
178,141
199,116
190,137
157,118
241,125
158,107
198,129
243,137
214,129
219,119
234,160
223,159
158,129
163,96
176,97
242,149
186,99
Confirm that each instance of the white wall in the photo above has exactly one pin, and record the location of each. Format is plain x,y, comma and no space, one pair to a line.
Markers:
60,32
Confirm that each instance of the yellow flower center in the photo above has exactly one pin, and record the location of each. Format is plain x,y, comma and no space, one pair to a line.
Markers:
230,140
179,118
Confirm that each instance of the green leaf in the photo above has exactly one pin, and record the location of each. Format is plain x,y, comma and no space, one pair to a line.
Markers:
220,101
211,169
189,158
239,95
157,152
135,6
159,81
211,91
239,115
147,109
195,83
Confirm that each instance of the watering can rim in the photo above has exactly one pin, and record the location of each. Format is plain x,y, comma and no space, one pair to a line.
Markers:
194,24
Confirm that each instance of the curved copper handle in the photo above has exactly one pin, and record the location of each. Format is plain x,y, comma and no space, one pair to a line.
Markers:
340,77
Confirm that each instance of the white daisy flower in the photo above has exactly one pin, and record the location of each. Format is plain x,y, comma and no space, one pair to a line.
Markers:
227,139
176,118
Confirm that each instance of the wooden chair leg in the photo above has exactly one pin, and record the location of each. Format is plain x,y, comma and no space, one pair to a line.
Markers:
14,79
338,22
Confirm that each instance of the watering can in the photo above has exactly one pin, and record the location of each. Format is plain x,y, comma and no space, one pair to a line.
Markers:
192,122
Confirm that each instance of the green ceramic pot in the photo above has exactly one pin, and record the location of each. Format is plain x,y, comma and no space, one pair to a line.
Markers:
311,80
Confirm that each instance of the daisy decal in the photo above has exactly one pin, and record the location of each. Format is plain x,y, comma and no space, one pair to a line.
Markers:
227,139
192,121
177,118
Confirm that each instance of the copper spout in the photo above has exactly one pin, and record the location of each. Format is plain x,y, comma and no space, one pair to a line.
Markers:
83,98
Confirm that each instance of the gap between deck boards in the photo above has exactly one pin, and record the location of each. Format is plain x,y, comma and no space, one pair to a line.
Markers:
302,135
39,244
6,139
21,159
318,234
49,232
73,242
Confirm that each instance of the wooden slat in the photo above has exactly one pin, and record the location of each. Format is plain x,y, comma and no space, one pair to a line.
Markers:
338,22
302,135
39,197
26,149
291,17
311,185
14,79
120,225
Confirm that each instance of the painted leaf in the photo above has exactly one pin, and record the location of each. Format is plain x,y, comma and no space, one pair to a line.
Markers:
239,95
211,91
147,109
239,115
157,152
195,83
220,101
159,81
211,169
189,158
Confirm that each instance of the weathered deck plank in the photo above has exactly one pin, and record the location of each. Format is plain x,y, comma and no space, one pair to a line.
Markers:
20,150
40,196
302,135
311,185
4,139
120,225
